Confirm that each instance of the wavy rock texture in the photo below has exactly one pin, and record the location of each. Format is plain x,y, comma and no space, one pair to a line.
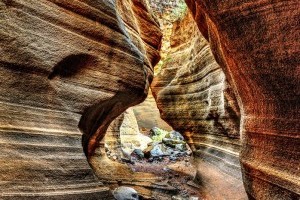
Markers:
191,90
66,64
257,45
194,97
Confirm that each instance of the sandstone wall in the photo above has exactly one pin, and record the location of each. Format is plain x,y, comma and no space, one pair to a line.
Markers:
148,115
191,90
195,98
64,65
257,45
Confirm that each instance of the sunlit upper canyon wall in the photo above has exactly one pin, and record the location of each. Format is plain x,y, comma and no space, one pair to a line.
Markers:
64,65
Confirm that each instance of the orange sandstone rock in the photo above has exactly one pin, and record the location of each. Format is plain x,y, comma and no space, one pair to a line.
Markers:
257,45
195,98
63,65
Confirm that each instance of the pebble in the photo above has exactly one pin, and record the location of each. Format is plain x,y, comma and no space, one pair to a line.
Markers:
173,158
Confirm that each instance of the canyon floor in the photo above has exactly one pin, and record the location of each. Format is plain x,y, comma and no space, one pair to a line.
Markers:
174,179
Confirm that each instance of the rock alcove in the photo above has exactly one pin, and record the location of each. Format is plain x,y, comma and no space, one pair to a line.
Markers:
156,162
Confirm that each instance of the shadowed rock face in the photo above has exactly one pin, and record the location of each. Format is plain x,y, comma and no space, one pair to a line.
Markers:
66,64
257,45
194,97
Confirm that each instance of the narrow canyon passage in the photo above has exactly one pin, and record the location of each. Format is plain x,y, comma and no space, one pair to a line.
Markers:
149,99
194,96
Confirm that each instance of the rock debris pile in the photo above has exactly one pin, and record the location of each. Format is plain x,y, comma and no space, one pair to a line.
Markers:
162,146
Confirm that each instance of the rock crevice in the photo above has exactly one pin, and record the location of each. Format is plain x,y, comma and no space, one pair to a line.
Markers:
194,97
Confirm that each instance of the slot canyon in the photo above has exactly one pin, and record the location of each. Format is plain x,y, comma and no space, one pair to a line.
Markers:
150,99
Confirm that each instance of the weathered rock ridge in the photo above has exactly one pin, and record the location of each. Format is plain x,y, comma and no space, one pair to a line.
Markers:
257,45
66,64
194,97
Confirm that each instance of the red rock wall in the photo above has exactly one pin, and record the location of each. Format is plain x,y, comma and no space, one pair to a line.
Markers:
65,64
257,45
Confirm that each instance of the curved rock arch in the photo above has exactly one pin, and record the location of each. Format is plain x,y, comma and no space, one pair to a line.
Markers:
59,60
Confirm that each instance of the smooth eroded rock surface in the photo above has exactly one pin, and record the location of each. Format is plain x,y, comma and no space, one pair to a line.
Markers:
195,98
191,90
257,45
123,137
64,65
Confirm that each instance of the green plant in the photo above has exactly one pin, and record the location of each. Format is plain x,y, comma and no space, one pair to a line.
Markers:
168,59
180,10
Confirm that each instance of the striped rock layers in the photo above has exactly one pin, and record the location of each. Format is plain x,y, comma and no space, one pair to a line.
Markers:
64,65
194,98
257,43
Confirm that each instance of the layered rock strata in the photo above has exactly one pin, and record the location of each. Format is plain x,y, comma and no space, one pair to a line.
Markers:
191,90
66,64
257,45
194,98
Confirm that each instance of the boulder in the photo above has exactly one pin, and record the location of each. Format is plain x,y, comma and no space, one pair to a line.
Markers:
172,142
157,134
138,153
181,147
157,151
174,135
125,193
